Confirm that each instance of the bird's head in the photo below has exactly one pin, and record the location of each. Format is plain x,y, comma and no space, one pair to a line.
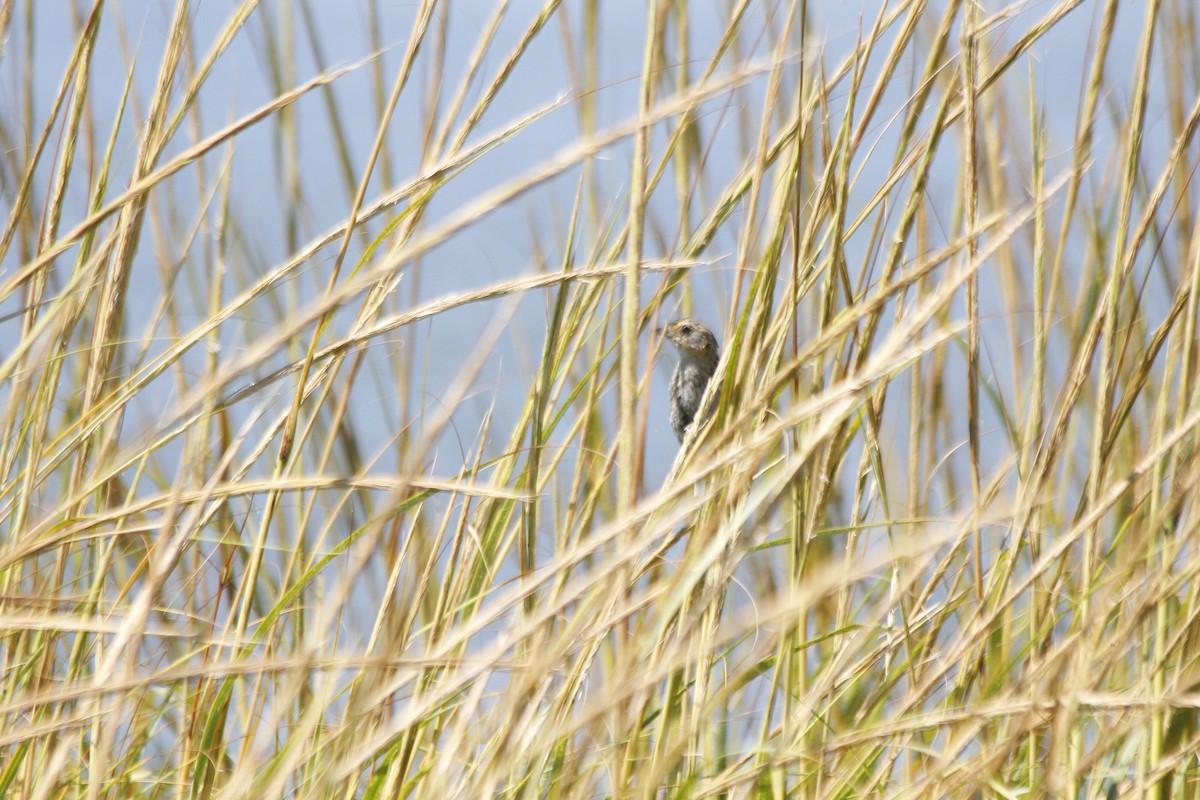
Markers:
692,338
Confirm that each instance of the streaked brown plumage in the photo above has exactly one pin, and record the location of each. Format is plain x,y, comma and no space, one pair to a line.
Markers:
698,356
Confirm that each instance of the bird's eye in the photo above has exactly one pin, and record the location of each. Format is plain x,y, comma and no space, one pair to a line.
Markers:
686,330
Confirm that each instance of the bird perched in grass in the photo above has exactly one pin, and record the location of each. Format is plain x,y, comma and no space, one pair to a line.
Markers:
698,356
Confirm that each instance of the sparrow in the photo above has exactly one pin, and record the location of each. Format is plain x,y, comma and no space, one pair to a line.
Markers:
698,356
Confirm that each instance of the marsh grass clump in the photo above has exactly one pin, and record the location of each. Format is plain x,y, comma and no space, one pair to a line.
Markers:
335,453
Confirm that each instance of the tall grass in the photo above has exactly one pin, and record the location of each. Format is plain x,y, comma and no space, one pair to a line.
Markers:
333,447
